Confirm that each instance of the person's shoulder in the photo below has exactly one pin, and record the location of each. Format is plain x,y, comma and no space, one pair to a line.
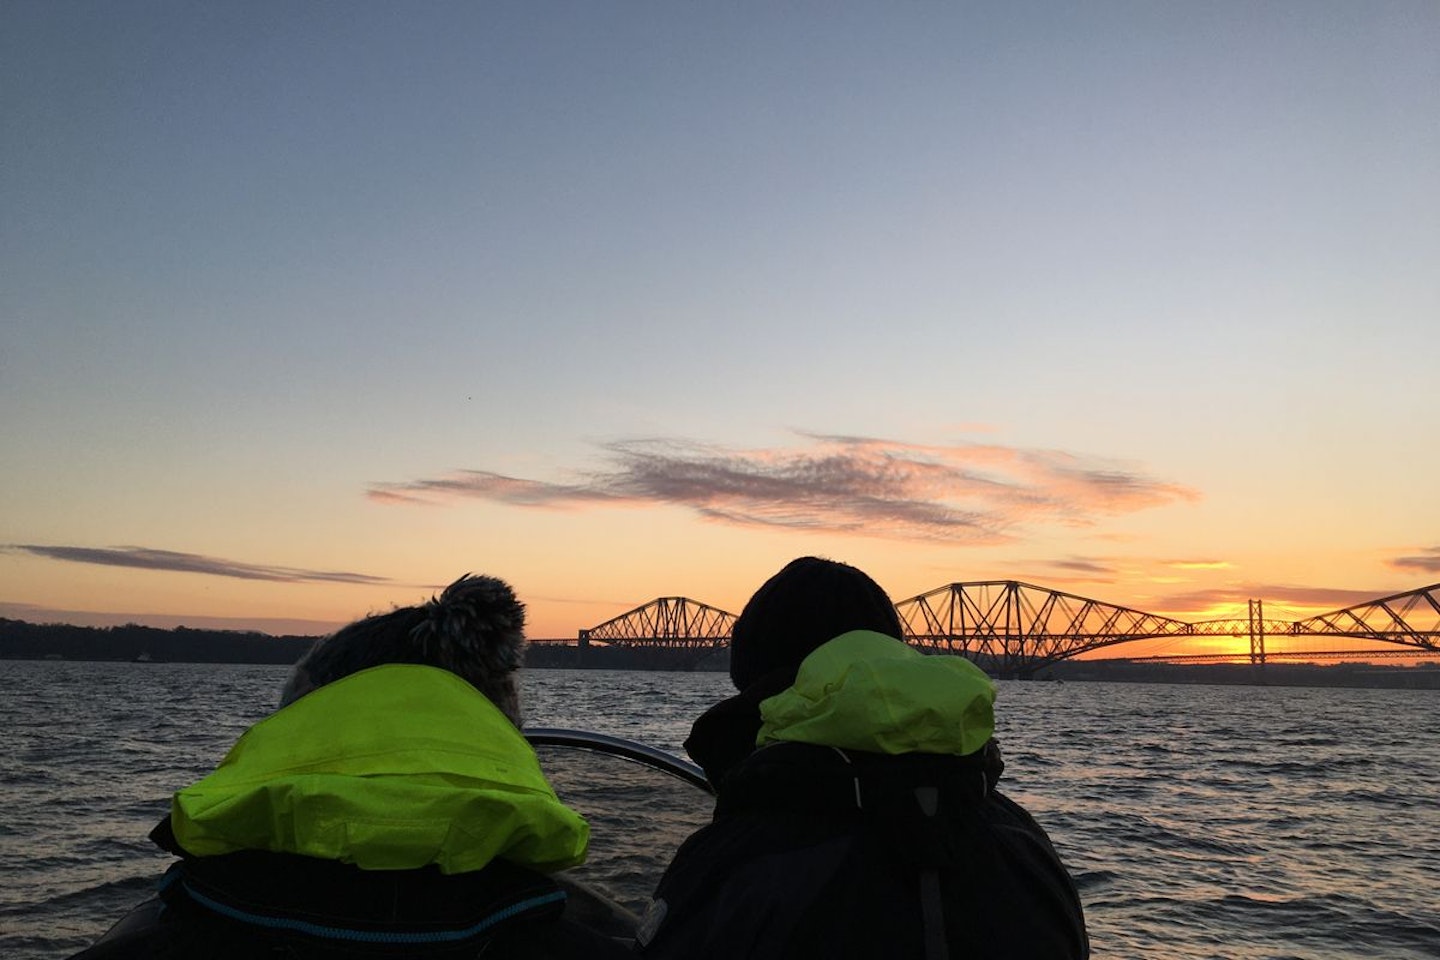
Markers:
138,934
785,779
1004,810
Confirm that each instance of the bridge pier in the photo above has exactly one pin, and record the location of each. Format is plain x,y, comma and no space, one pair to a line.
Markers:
1257,632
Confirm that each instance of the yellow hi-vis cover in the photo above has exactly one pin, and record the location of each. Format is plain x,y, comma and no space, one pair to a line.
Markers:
866,691
392,768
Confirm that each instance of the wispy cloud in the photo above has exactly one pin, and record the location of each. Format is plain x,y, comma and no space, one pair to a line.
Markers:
146,558
483,485
1088,569
971,493
1310,599
16,610
1427,561
1198,564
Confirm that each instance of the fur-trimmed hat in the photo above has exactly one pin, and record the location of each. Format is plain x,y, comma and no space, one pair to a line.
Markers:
475,629
810,601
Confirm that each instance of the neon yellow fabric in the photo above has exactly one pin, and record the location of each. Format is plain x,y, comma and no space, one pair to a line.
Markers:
391,768
866,691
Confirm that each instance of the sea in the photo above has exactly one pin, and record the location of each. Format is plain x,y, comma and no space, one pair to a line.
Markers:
1198,821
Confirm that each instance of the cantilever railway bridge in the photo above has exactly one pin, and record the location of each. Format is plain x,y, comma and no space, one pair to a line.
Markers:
1013,628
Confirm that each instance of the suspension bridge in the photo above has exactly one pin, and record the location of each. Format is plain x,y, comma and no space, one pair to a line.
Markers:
1013,628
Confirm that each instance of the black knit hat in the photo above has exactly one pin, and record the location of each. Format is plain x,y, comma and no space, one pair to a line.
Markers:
475,629
807,603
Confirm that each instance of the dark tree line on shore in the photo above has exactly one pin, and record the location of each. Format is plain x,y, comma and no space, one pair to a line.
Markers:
57,641
20,640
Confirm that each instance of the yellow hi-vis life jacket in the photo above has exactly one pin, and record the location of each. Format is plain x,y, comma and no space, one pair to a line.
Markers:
392,768
866,691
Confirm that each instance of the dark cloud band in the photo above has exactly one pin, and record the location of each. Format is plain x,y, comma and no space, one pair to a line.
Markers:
145,558
1427,561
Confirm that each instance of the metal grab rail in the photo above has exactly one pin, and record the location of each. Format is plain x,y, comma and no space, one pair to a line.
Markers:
631,750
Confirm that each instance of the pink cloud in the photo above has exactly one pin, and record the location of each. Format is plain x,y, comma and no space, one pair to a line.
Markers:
1325,599
968,493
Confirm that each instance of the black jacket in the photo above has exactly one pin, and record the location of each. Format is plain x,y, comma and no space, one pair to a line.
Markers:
818,852
260,904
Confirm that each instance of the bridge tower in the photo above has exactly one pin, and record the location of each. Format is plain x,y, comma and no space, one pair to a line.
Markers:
1257,633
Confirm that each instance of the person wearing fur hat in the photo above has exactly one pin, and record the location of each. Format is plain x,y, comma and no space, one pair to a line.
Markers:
857,813
390,807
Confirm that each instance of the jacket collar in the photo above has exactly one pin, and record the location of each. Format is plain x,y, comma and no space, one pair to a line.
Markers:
391,768
870,692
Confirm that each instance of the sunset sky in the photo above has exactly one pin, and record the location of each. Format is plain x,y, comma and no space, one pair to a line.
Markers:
309,308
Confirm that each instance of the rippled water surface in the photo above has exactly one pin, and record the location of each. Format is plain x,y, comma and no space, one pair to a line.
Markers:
1199,822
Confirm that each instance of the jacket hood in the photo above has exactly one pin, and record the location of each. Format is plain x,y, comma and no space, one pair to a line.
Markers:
391,768
866,691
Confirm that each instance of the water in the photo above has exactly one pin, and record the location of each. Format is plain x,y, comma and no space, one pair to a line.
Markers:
1199,822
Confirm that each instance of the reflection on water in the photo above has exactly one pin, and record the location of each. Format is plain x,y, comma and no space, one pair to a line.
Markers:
1199,822
638,817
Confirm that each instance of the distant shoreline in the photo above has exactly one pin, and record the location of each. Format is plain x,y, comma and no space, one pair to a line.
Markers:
20,640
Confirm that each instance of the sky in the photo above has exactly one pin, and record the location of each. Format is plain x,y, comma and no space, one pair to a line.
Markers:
308,309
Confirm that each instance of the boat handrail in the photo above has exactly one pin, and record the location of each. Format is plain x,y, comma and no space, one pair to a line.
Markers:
621,747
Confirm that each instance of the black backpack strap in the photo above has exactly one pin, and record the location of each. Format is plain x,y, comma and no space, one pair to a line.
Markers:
932,904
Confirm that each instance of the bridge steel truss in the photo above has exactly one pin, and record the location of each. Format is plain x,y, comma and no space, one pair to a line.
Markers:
671,622
1013,628
1411,619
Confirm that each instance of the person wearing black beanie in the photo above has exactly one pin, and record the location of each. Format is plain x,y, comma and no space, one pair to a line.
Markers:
856,810
807,603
